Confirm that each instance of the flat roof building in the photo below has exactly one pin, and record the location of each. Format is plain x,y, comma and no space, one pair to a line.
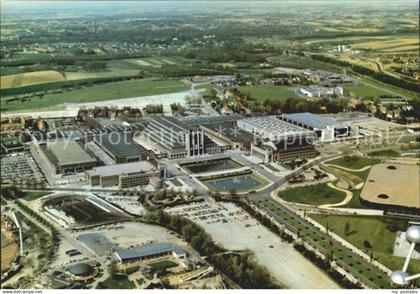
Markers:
284,150
121,147
228,134
325,128
123,175
136,254
271,128
66,157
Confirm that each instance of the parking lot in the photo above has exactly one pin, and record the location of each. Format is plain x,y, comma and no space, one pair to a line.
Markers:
235,229
20,167
128,203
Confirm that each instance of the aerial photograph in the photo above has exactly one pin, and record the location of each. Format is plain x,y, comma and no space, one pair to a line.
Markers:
221,145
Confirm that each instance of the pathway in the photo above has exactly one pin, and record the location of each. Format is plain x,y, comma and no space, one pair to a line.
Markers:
349,196
349,169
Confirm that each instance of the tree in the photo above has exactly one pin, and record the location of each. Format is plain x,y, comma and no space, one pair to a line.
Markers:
347,228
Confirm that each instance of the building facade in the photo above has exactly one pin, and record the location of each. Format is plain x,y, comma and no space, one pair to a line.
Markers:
175,137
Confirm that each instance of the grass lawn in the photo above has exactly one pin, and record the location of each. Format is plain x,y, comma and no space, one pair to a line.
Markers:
263,92
29,196
163,265
117,90
176,182
116,281
353,162
272,168
365,91
385,153
354,177
313,195
353,262
375,230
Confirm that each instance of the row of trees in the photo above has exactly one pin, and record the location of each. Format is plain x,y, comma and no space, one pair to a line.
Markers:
241,268
191,232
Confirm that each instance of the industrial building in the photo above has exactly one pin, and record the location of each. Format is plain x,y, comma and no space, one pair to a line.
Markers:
326,129
284,151
177,138
273,129
123,175
320,91
225,134
120,147
143,253
65,157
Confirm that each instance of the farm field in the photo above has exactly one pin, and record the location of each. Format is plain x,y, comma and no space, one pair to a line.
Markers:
115,68
31,78
263,92
117,90
313,195
358,61
379,232
406,43
158,61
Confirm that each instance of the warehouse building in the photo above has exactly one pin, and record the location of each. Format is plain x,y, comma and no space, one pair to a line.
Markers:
120,147
147,252
175,137
65,157
325,128
273,129
123,175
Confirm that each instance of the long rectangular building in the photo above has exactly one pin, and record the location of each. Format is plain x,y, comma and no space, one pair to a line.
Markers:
136,254
66,157
120,147
123,175
325,128
271,128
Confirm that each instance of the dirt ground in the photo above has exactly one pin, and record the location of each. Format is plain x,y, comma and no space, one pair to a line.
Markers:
235,229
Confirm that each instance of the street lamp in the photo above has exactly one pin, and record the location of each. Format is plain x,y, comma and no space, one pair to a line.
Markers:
402,278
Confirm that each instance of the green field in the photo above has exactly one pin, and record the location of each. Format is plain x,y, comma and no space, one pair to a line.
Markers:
176,182
353,162
29,196
110,91
385,153
358,266
375,230
115,68
158,61
164,264
313,195
263,92
366,91
116,281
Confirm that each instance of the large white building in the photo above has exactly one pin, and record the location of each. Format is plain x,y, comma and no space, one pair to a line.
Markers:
272,128
123,175
326,129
